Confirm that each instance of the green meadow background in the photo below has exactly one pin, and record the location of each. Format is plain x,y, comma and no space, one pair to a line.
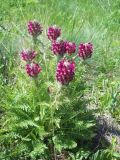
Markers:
95,21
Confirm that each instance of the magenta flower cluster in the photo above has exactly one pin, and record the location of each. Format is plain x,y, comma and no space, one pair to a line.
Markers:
70,47
34,28
59,48
33,69
28,55
65,71
63,47
85,50
53,33
66,68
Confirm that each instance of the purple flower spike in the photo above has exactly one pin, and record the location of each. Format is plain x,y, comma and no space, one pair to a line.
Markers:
33,69
53,33
70,47
34,28
59,48
28,55
85,50
65,71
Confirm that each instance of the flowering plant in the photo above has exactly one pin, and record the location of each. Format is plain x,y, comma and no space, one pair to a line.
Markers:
49,118
65,69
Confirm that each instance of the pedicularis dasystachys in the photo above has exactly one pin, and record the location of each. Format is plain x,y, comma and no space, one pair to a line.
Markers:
65,70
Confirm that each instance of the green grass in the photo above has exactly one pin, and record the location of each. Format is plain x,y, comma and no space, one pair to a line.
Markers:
97,21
